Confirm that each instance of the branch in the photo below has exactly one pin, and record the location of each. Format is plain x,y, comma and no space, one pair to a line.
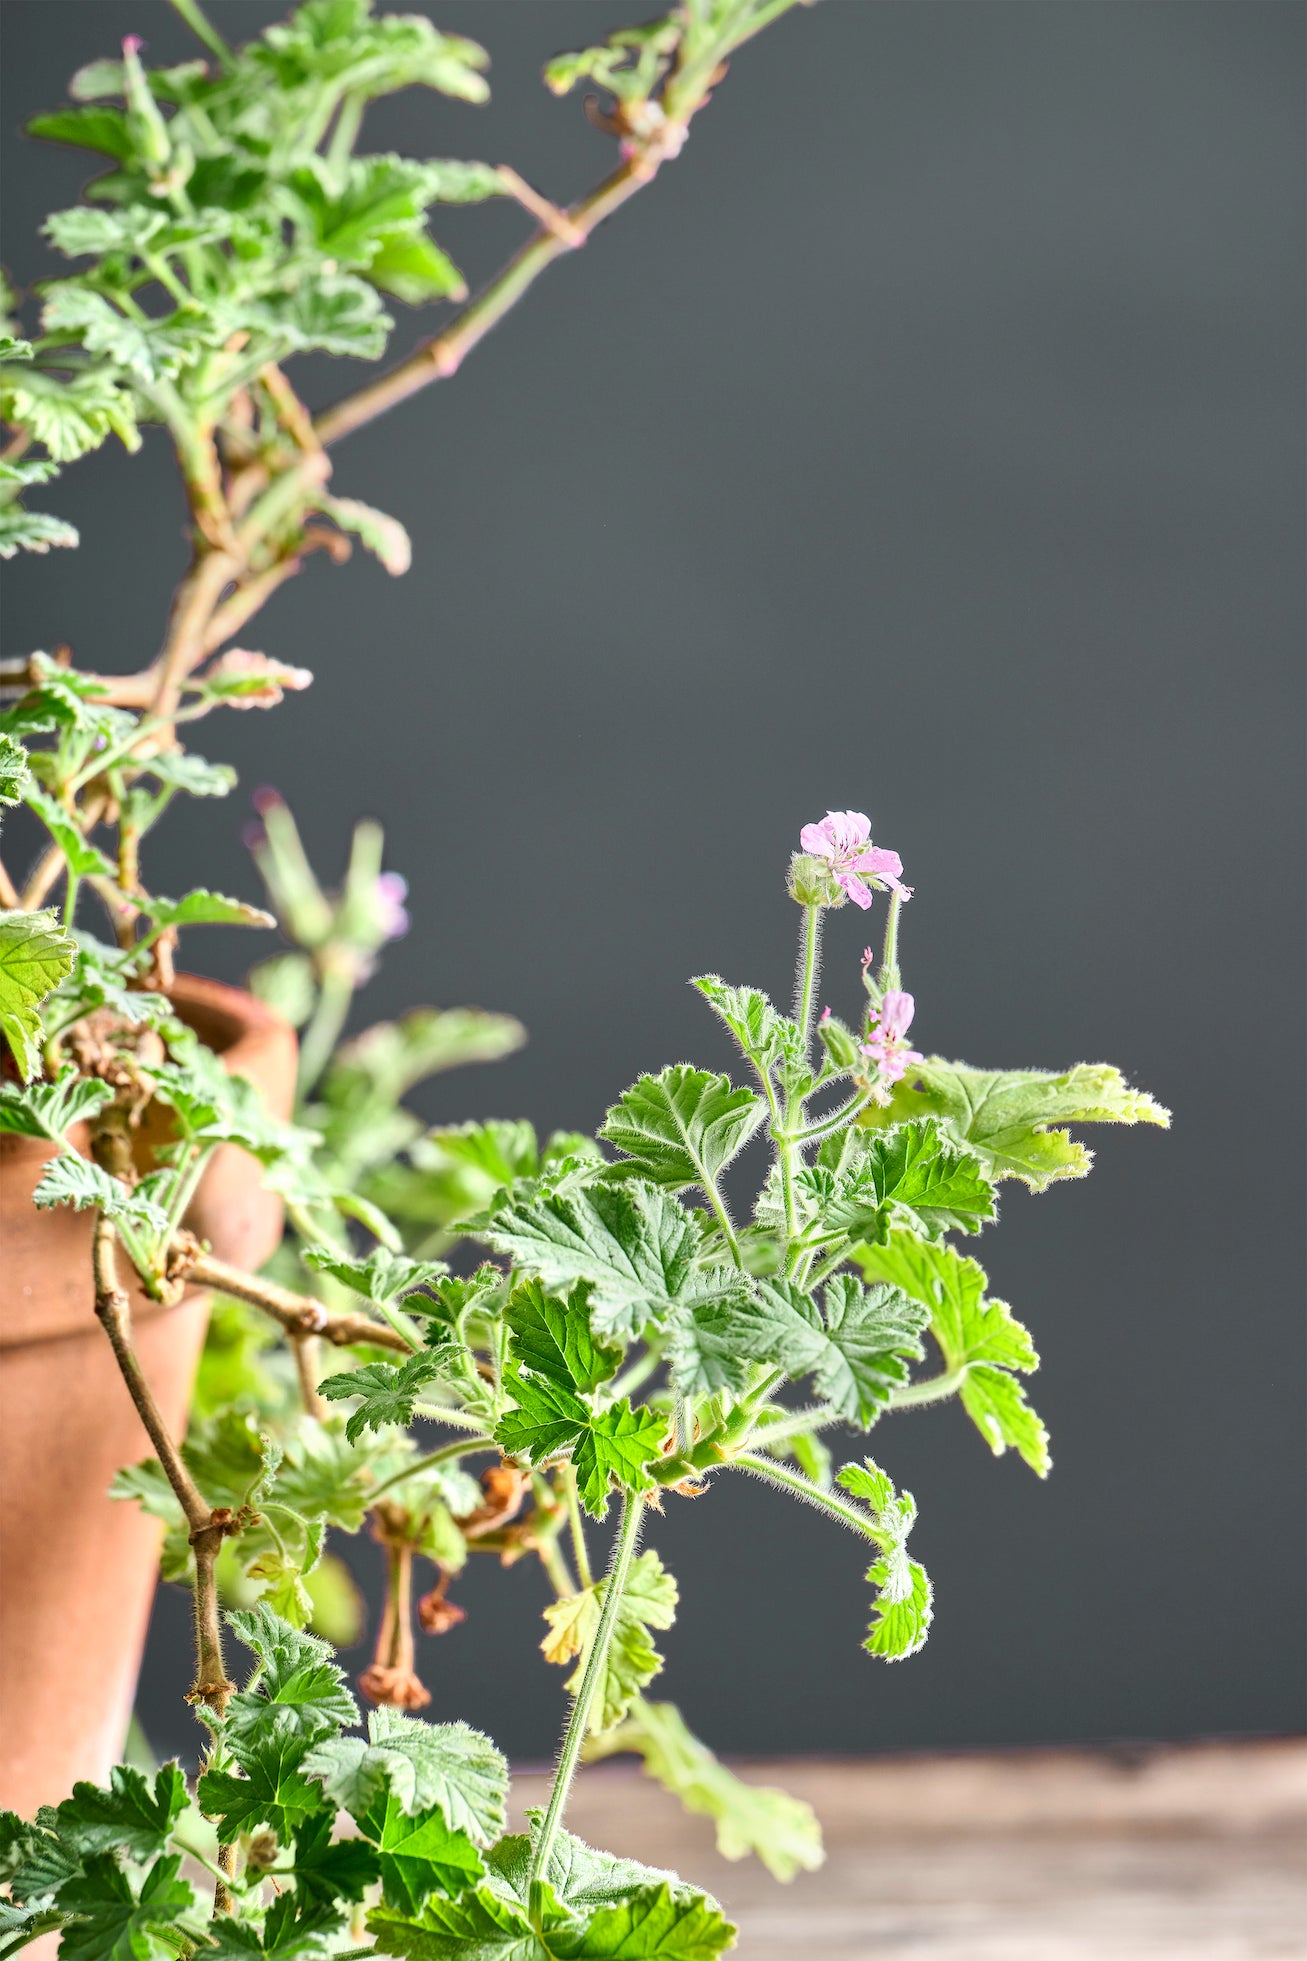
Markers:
439,358
208,1528
299,1314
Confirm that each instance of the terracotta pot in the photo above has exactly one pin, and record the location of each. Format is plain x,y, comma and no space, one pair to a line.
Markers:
77,1568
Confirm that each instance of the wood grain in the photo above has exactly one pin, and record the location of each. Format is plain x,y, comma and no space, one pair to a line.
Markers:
1195,1853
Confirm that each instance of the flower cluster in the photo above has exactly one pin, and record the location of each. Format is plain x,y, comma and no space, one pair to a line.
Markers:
858,867
887,1043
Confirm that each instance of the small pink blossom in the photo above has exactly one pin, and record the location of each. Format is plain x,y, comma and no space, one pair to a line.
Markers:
887,1044
391,892
843,839
247,680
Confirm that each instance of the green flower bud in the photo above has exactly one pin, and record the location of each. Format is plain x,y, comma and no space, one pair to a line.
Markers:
811,882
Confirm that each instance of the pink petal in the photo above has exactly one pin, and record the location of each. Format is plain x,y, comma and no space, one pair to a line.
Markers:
856,890
896,1012
816,839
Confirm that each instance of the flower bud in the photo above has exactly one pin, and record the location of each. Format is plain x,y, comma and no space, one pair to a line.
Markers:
811,882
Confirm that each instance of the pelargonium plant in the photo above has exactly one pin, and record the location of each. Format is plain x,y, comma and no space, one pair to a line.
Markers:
588,1323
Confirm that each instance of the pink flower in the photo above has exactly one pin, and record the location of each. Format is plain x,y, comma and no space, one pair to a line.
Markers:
391,892
247,680
887,1044
843,839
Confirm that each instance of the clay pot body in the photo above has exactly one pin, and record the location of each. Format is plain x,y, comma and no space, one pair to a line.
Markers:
77,1568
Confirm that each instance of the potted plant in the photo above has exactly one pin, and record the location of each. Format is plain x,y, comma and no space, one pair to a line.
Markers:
468,1339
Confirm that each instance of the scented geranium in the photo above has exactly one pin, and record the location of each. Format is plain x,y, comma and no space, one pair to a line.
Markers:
858,867
624,1326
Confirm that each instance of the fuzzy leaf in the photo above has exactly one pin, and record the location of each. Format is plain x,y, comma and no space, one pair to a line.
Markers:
632,1661
297,1691
856,1352
767,1037
83,860
635,1244
73,1180
274,1791
780,1830
51,1109
904,1596
553,1338
130,1815
427,1766
913,1168
388,1392
33,531
683,1126
69,416
1004,1115
419,1855
333,312
201,908
382,1278
14,773
35,955
976,1336
613,1445
385,537
114,1922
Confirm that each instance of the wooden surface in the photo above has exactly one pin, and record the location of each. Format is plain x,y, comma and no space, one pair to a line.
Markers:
1181,1854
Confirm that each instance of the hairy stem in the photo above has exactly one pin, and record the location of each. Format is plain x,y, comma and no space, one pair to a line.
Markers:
580,1551
889,975
800,1487
578,1722
446,1453
936,1389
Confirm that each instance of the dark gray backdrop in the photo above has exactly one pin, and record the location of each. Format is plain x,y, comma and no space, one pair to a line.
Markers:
927,440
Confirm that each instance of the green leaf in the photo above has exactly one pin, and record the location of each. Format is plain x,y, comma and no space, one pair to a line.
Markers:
84,861
329,1870
388,1392
427,1766
553,1338
131,1815
297,1691
683,1126
73,1180
1004,1115
857,1352
629,64
978,1338
14,774
182,769
201,908
913,1168
635,1244
649,1601
104,130
596,1908
392,1057
780,1830
51,1109
35,955
114,1922
69,416
412,268
613,1445
904,1596
33,531
274,1791
150,351
769,1039
382,1278
334,312
419,1855
295,1927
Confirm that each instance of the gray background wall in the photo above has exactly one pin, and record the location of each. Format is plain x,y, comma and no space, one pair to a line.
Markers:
926,440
